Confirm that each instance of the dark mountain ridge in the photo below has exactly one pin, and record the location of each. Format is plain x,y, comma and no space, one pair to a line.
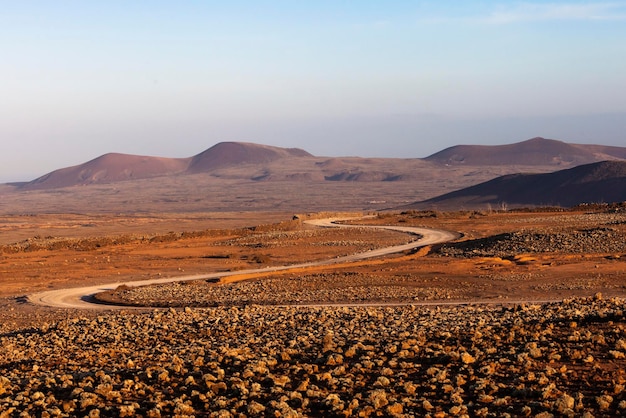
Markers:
603,182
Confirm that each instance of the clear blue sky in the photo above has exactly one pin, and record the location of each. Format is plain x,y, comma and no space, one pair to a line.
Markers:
370,78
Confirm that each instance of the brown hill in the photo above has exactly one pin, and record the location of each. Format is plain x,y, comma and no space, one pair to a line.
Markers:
605,152
536,151
237,161
109,168
234,153
603,182
114,167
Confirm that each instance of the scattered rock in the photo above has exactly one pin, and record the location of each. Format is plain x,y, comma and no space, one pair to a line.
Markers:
289,361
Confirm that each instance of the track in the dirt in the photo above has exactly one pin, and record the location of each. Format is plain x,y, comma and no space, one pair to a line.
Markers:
82,297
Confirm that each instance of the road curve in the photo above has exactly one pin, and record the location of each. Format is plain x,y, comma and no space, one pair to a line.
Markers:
82,297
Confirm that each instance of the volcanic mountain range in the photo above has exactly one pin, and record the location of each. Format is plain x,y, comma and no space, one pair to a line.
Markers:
114,167
454,168
261,162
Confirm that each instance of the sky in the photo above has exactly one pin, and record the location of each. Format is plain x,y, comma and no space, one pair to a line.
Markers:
384,78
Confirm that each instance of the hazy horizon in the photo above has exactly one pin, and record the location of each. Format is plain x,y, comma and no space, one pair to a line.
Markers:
367,78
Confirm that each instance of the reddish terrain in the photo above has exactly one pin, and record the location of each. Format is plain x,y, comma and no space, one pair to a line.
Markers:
241,356
524,315
134,248
511,356
535,151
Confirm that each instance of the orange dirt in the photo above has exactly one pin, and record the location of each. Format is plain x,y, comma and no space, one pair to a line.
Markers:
115,249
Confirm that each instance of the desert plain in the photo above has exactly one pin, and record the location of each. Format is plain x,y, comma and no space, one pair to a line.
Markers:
522,315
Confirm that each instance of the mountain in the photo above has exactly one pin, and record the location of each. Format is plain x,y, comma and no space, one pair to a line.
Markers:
536,151
603,182
109,168
115,167
604,152
458,166
235,176
234,153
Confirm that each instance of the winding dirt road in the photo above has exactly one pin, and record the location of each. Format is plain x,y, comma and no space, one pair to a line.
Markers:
82,297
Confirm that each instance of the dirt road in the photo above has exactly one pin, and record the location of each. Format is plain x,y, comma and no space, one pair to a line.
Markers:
81,297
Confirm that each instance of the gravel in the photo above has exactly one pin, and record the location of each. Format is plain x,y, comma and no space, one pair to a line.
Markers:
599,240
565,359
327,288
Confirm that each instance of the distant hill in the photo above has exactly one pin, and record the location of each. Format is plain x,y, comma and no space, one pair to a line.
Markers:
233,153
236,176
114,167
231,161
109,168
243,161
603,182
604,152
536,151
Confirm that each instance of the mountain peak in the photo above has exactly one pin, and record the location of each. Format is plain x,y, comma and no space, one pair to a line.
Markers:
233,153
534,151
107,168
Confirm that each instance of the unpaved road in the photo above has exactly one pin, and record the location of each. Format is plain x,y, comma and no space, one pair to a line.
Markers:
81,297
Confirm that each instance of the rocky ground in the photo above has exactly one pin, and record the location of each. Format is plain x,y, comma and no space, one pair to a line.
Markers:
43,261
563,359
239,358
540,259
603,240
325,288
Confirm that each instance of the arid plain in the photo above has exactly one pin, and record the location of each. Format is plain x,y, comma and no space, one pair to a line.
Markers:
294,343
523,315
